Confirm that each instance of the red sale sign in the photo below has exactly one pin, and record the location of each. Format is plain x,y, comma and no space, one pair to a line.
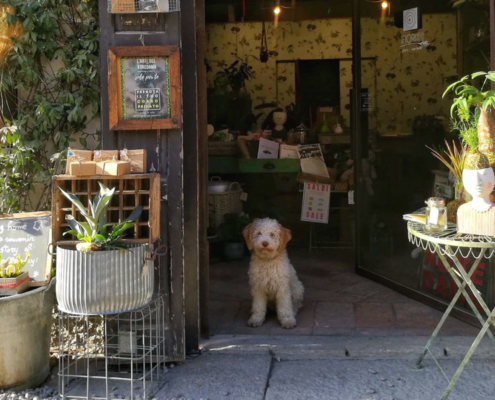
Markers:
316,203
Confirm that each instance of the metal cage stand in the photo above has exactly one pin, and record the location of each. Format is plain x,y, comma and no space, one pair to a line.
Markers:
105,357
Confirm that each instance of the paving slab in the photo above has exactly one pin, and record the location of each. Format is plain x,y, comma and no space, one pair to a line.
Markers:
218,376
377,379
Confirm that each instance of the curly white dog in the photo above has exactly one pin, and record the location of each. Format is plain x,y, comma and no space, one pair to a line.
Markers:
272,278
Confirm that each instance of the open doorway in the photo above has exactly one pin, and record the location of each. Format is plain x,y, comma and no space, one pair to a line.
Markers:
299,63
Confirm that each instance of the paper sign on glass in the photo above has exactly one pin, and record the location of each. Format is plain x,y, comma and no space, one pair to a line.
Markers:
316,203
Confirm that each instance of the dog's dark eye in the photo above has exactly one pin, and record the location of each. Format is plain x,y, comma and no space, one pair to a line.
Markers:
259,233
272,235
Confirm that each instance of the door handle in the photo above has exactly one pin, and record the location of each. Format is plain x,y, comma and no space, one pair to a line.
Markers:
269,166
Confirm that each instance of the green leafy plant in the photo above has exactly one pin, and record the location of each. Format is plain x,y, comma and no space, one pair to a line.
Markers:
468,103
12,267
234,76
230,230
467,95
49,96
95,234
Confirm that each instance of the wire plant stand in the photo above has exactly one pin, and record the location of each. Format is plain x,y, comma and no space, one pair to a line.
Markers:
112,356
454,246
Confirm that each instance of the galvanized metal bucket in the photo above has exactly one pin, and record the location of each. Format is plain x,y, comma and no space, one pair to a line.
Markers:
104,282
26,321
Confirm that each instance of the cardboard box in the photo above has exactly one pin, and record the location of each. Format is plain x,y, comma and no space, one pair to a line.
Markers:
105,155
83,168
137,158
123,6
113,168
77,155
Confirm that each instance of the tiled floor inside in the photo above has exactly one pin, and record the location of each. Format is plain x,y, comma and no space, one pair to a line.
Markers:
337,302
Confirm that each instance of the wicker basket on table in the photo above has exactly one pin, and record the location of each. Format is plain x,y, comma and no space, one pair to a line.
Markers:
224,203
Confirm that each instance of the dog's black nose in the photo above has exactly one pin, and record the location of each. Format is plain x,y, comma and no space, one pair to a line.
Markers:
265,244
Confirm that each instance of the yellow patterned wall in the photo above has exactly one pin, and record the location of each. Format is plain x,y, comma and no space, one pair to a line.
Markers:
402,85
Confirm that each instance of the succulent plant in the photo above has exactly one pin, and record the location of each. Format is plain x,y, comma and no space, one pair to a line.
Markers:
12,267
94,233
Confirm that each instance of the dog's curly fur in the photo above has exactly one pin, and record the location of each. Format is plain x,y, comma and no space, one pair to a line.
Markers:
272,278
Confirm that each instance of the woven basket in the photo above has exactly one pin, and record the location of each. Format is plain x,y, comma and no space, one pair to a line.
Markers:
224,203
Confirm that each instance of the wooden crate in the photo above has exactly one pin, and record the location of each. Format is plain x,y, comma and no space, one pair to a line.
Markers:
132,191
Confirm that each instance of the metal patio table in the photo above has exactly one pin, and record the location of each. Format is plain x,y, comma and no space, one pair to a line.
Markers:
450,244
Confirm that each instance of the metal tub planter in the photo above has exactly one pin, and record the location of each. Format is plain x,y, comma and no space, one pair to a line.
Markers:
25,325
104,282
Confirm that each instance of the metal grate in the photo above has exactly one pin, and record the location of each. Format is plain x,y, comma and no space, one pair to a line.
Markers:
112,356
142,6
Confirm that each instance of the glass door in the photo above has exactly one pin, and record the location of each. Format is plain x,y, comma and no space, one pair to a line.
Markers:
407,59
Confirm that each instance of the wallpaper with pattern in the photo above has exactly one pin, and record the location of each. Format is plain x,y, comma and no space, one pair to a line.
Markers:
402,84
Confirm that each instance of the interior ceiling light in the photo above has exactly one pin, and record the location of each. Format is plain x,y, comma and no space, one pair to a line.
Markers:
277,10
384,4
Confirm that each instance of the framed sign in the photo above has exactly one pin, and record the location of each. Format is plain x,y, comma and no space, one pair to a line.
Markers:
144,87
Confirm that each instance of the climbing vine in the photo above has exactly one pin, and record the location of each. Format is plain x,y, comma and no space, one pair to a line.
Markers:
50,96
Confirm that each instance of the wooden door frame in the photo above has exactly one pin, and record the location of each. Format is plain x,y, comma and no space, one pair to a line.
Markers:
180,155
196,265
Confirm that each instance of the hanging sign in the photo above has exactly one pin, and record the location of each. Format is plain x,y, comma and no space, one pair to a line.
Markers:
144,89
412,20
316,203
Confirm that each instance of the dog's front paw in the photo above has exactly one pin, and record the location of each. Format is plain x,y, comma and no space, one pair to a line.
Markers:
288,323
255,321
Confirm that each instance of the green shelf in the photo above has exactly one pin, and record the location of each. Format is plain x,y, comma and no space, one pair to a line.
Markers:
234,165
269,166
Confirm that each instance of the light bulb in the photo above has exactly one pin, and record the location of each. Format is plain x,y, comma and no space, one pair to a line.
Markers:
277,10
384,5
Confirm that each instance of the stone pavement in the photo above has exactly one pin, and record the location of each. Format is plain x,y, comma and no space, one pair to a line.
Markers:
333,368
314,368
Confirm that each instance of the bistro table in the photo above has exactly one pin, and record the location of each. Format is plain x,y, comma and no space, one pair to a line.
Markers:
455,246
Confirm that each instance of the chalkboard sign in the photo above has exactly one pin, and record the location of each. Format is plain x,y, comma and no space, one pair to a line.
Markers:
24,232
144,88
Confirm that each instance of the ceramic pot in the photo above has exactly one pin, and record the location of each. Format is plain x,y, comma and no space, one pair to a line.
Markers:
233,251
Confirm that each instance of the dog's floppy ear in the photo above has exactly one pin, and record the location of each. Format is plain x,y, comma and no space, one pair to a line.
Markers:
248,235
285,236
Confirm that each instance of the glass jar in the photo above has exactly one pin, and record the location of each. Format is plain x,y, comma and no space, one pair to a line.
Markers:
436,215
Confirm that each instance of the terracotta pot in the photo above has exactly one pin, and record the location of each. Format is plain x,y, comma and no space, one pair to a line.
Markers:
486,130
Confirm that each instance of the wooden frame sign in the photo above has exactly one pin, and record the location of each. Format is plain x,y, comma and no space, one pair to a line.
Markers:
144,88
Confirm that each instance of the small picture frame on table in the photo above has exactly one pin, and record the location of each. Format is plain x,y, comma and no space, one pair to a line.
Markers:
144,88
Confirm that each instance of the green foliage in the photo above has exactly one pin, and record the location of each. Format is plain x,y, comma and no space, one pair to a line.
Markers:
53,76
467,102
234,76
95,234
12,267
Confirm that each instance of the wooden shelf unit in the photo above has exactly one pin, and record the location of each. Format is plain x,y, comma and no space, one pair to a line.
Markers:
131,191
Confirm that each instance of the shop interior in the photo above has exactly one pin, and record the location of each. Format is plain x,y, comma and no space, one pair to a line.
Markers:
281,71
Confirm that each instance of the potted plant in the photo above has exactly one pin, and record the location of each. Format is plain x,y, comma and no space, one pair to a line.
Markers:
12,279
453,157
473,112
102,275
230,231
